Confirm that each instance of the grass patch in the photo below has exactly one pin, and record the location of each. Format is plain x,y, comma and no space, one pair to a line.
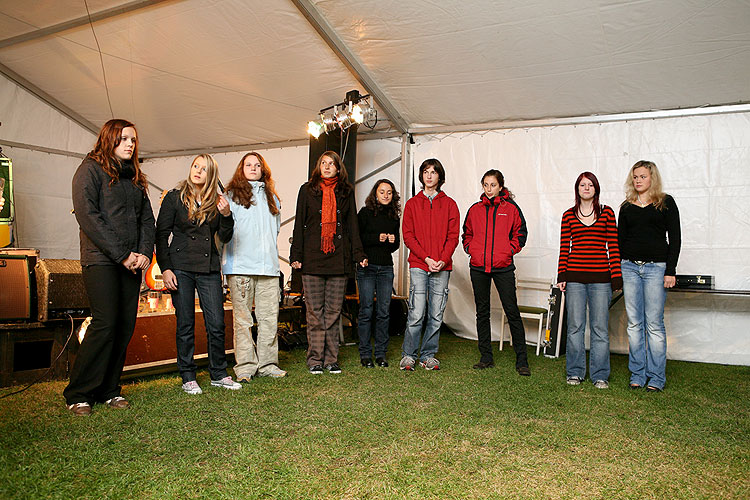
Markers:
383,433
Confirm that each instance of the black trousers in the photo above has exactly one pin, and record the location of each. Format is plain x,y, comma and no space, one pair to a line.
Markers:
505,282
113,296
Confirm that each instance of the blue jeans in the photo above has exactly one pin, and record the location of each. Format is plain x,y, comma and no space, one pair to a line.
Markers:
428,293
597,297
643,288
210,297
373,281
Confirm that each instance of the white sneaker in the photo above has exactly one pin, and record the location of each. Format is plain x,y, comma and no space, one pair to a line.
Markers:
601,384
273,371
407,364
430,364
192,387
226,383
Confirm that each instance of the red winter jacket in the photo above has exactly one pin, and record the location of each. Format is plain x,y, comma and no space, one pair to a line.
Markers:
494,231
431,229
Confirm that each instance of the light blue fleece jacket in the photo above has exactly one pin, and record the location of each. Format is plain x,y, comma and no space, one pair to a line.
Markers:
253,250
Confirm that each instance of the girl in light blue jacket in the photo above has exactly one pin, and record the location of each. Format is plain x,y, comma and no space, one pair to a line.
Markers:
250,261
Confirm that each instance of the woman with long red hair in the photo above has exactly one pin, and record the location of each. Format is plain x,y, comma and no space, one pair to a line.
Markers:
110,199
250,262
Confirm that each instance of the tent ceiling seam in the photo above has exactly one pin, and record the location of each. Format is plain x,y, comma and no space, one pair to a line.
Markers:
79,21
582,120
48,99
350,60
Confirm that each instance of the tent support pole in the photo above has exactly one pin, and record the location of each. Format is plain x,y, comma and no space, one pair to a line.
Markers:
402,275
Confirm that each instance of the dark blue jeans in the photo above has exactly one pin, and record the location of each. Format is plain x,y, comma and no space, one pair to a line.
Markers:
373,281
210,298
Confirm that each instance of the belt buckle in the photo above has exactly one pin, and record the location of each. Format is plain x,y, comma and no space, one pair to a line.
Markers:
640,262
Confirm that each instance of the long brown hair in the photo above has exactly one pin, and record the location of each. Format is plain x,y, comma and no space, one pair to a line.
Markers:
104,152
342,186
208,194
242,190
654,192
393,209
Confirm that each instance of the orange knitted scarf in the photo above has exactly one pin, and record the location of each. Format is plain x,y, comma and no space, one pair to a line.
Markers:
328,211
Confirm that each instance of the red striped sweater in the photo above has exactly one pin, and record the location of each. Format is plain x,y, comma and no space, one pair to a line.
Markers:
589,254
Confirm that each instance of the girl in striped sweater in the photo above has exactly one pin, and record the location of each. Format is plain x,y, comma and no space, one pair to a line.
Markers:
588,271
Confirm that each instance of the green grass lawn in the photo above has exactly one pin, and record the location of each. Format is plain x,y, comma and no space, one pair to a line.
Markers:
383,433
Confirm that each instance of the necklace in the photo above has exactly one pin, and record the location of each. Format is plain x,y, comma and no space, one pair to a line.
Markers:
640,202
589,214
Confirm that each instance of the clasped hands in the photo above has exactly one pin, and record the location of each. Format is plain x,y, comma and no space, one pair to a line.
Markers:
434,266
135,262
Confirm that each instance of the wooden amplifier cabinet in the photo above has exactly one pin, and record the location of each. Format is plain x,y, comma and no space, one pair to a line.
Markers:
15,292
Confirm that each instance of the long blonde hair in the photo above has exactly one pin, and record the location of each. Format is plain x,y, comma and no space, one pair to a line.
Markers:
655,193
207,194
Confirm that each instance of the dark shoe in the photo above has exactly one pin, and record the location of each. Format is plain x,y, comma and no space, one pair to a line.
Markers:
245,380
316,370
651,388
80,409
118,402
333,368
482,365
524,371
367,363
635,386
381,362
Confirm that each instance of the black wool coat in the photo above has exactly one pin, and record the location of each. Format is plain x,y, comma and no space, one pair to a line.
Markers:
306,235
193,248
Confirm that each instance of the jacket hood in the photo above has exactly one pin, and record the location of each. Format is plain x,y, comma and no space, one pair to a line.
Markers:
439,194
502,196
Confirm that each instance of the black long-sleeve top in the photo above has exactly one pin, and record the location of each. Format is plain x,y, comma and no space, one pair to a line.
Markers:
649,234
114,219
371,226
193,248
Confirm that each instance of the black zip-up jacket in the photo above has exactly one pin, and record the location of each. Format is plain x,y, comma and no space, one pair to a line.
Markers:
114,220
193,248
306,236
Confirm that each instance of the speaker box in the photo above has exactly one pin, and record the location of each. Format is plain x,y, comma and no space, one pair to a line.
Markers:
15,292
60,288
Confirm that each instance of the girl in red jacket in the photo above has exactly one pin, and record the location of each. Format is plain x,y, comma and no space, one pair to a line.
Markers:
494,231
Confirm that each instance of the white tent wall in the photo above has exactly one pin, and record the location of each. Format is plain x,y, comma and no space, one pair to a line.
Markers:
704,164
42,180
289,169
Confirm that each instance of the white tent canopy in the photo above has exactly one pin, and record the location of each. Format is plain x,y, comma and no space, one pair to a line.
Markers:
554,87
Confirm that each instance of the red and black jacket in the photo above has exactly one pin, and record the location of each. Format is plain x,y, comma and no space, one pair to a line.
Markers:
494,231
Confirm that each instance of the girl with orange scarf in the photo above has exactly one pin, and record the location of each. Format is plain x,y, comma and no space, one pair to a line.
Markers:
325,247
